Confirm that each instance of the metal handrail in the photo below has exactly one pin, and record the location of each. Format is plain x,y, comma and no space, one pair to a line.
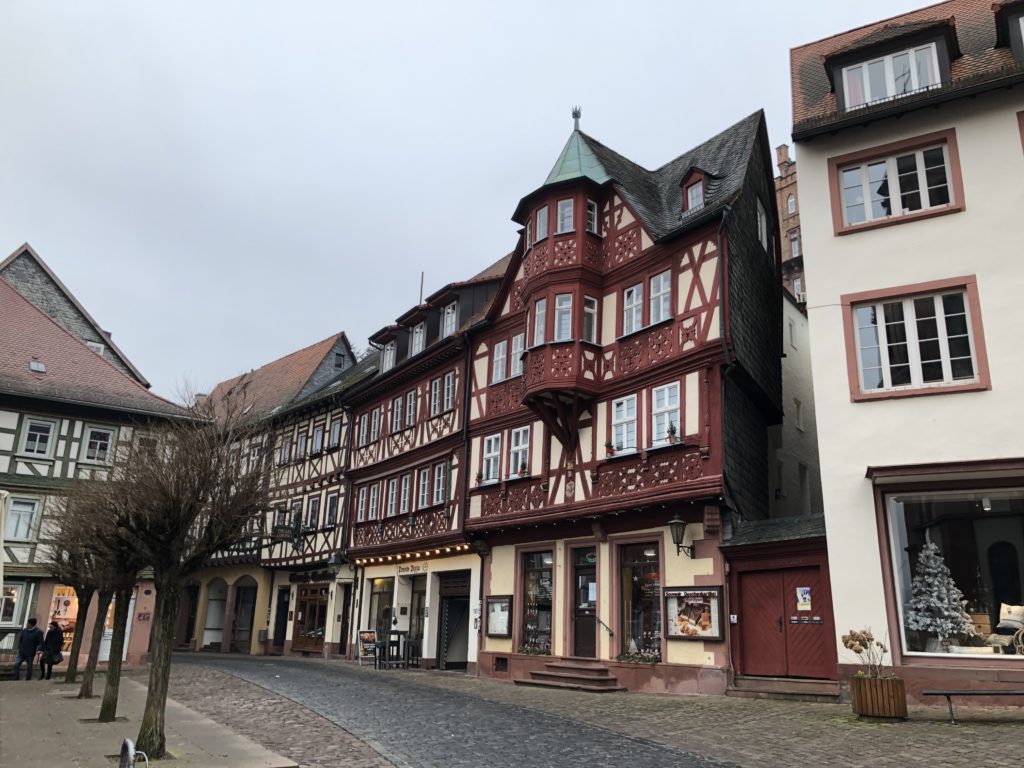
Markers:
599,621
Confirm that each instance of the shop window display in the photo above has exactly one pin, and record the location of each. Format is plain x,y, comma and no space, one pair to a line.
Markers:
537,605
640,584
958,564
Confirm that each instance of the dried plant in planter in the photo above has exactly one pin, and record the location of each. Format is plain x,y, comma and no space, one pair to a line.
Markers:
870,653
874,692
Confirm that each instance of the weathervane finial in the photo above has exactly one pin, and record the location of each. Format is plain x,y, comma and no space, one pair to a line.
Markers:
577,112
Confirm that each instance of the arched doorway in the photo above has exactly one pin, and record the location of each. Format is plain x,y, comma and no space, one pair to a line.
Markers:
244,614
216,603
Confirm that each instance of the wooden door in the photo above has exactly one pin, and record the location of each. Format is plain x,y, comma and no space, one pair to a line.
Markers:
584,631
761,624
281,618
808,629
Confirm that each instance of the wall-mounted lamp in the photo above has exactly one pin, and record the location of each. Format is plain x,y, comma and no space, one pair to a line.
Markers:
334,563
677,527
986,503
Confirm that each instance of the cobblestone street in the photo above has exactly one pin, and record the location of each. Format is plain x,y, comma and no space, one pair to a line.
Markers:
295,707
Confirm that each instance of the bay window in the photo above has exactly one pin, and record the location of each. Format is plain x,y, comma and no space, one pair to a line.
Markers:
592,216
542,224
492,459
633,309
890,76
563,317
590,319
624,423
540,317
565,223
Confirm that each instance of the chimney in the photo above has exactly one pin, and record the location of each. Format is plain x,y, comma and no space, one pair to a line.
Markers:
782,158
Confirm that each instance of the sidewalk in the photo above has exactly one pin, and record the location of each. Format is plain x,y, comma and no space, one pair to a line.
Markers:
42,725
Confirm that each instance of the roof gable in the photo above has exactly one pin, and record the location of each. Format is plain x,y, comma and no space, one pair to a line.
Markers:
73,372
26,271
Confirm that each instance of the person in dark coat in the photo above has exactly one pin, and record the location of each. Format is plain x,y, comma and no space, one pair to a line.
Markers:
53,644
29,642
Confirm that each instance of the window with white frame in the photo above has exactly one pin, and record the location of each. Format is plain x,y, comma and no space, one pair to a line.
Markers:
529,233
424,491
440,483
20,518
633,309
364,422
98,443
563,317
896,186
435,397
914,342
318,438
542,224
794,244
403,503
665,413
515,367
540,319
661,296
565,223
791,204
695,196
361,506
762,225
592,216
96,347
313,514
374,498
888,77
492,458
332,510
9,600
392,500
38,437
301,446
448,323
519,452
374,424
388,357
396,414
410,408
498,362
335,439
624,423
286,451
590,319
798,286
449,390
419,339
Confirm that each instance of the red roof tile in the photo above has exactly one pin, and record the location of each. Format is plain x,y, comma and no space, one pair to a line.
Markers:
74,373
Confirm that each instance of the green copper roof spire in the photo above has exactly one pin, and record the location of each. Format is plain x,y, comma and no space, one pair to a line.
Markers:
577,159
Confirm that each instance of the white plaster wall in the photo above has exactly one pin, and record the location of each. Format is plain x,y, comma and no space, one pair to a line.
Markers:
986,239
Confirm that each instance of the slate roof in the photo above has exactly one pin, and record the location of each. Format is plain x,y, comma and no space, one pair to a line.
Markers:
33,279
276,384
657,196
74,373
352,376
779,529
982,60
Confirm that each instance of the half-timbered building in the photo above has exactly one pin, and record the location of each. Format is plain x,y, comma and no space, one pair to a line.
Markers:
420,580
621,395
69,405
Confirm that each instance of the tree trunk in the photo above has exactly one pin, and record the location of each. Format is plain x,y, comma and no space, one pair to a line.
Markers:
84,599
122,601
151,733
103,603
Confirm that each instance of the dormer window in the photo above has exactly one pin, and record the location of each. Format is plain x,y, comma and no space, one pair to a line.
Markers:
448,320
339,360
565,223
542,224
96,347
388,359
695,195
419,339
888,77
592,216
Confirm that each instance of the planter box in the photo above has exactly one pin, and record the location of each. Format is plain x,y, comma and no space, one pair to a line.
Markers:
877,697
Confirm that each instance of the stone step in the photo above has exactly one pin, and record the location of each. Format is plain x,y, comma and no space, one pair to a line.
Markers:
577,668
568,677
570,686
794,689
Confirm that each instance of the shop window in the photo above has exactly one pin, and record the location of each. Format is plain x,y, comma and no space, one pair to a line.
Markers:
382,593
958,564
9,603
310,617
417,612
640,583
537,605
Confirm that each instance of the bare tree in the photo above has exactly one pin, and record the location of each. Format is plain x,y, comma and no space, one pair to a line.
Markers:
190,488
74,565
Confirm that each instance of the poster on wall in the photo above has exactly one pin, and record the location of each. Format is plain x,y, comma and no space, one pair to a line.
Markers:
693,613
499,616
803,598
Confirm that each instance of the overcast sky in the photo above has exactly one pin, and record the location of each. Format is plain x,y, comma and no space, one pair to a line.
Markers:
222,183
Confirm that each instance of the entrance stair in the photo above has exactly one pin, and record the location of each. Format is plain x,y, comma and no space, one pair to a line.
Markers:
791,688
574,675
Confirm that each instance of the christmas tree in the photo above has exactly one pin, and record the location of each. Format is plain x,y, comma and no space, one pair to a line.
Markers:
937,604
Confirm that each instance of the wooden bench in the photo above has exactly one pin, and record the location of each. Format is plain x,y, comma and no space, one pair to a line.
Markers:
950,693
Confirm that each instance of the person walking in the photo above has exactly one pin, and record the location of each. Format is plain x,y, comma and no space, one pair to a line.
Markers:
29,642
53,644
